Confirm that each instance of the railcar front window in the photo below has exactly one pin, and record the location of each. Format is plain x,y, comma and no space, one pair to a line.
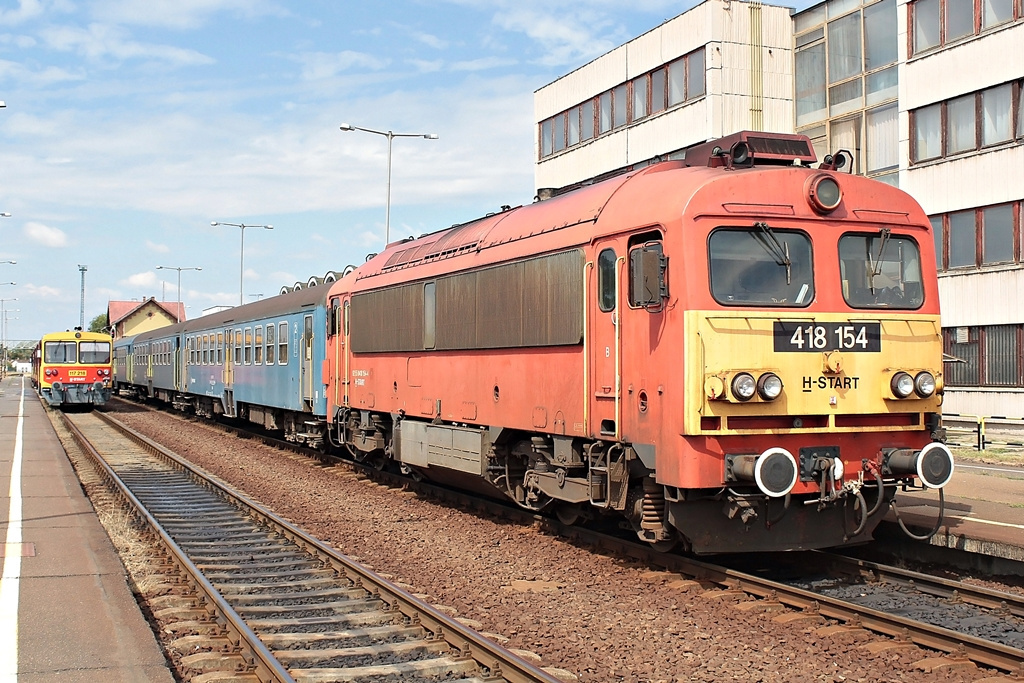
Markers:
95,352
761,266
880,271
60,352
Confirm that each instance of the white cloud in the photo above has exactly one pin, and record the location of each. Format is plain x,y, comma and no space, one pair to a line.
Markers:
42,291
482,64
147,279
27,9
45,235
181,14
159,248
105,41
323,65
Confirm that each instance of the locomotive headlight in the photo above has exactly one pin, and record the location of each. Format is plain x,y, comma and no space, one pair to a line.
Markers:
924,384
902,385
824,193
744,386
769,386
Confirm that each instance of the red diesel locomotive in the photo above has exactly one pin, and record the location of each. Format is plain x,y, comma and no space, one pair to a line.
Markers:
736,352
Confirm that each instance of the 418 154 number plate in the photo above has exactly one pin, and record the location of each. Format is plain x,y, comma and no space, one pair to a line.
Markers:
816,337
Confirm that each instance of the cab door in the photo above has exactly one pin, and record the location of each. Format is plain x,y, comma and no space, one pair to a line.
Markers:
603,347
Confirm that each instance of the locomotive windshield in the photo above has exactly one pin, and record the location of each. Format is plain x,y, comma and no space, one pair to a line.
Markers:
761,266
880,271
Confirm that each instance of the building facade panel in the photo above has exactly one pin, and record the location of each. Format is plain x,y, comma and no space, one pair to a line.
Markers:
968,299
988,177
941,75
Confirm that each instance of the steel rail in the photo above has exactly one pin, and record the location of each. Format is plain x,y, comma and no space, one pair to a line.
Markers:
979,596
926,635
265,664
470,644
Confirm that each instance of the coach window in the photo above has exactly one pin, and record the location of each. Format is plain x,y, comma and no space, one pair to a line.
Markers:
879,270
760,266
257,348
270,344
606,280
60,352
220,348
248,346
282,343
238,347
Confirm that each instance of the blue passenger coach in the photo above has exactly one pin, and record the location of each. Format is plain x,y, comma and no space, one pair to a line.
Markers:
257,362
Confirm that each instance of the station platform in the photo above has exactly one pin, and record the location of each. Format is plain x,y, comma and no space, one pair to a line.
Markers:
983,519
66,611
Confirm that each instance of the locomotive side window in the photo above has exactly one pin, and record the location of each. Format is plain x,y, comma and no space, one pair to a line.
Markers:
880,271
60,352
282,343
606,280
760,266
271,344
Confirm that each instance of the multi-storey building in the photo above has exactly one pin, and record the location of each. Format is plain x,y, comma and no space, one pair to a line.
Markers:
926,94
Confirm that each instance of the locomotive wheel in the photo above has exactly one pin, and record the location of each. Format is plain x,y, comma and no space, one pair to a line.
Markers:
568,513
666,545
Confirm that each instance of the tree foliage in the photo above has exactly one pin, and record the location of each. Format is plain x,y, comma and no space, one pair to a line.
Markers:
99,323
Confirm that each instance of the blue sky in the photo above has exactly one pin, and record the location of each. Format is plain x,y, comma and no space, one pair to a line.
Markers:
132,124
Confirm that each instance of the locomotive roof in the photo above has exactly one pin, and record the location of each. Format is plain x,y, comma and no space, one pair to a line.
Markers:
269,307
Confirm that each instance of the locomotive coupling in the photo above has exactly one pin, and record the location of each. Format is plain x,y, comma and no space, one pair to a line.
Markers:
933,464
775,471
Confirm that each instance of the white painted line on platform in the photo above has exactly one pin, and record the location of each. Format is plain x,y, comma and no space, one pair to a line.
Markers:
986,468
968,518
10,580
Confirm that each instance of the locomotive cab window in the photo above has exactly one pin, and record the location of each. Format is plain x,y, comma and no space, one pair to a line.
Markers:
761,266
880,270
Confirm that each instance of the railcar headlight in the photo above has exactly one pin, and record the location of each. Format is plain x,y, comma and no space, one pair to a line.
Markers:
769,386
924,384
744,386
902,384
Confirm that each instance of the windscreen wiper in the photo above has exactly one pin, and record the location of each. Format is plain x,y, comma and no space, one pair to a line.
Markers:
778,250
876,268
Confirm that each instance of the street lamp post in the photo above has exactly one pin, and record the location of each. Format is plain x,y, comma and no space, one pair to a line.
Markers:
177,310
6,354
241,253
3,332
390,136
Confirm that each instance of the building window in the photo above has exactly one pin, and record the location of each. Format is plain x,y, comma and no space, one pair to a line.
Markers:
844,43
953,127
941,22
997,234
810,84
987,356
883,139
992,232
675,83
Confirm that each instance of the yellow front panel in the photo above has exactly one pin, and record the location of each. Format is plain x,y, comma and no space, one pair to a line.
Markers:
820,384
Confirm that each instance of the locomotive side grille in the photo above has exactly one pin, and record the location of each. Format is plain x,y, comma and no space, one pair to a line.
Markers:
535,302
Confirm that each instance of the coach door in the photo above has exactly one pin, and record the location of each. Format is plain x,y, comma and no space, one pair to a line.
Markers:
227,371
307,363
603,342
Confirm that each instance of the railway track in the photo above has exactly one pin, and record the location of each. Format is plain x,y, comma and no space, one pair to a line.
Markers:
951,633
294,608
